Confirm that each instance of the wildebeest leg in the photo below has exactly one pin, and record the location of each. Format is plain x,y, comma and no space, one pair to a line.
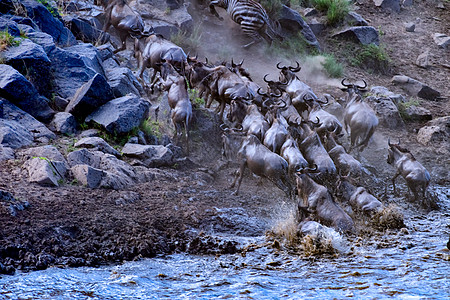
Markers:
393,182
222,108
123,38
186,131
239,174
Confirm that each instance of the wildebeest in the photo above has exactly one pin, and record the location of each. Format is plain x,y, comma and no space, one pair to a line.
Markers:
251,16
291,153
358,197
416,176
359,118
318,200
261,161
124,19
255,123
345,163
329,123
152,49
178,99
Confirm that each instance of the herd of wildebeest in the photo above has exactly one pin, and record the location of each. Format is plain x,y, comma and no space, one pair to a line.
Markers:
280,132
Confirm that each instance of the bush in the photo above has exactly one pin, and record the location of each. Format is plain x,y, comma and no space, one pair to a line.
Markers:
189,41
334,68
7,40
293,46
336,9
373,57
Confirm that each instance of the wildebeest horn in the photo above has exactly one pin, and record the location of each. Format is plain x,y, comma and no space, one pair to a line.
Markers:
261,93
232,63
389,142
316,123
239,128
362,87
277,96
240,64
264,103
296,69
278,66
267,81
344,84
284,104
224,127
325,96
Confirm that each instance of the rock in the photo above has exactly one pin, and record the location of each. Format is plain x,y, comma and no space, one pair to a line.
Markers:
310,12
393,5
437,130
158,10
160,156
416,88
122,114
64,123
69,71
1,109
87,175
45,172
6,153
14,135
138,151
21,20
418,113
41,38
123,82
441,40
292,22
47,23
105,52
38,131
89,97
90,56
423,60
381,91
11,204
90,133
360,34
407,3
83,30
118,174
85,157
410,27
97,143
317,26
387,112
10,26
354,19
60,103
49,152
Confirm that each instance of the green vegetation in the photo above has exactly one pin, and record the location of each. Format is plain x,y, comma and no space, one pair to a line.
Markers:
334,68
50,8
119,138
371,57
195,99
189,41
7,40
403,106
151,127
294,46
336,9
273,7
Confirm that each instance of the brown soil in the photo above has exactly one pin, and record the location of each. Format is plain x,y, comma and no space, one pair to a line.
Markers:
182,207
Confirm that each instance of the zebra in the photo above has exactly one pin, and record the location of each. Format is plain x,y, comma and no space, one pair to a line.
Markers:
251,16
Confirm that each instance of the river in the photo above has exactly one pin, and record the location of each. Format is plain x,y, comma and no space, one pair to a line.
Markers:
407,264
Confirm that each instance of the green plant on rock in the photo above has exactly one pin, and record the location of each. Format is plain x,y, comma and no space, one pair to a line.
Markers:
293,46
151,127
50,8
6,40
403,106
371,57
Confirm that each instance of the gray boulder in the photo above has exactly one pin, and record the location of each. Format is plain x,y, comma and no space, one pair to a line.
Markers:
45,172
423,60
393,5
416,88
17,89
38,37
417,113
118,174
387,112
38,131
317,25
10,26
83,30
89,97
47,23
122,114
123,82
6,153
31,60
160,156
292,22
441,40
64,123
435,131
84,157
355,19
87,175
97,143
14,135
49,152
70,72
364,35
381,91
137,151
90,55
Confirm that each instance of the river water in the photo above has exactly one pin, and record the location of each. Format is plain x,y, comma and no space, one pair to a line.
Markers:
406,264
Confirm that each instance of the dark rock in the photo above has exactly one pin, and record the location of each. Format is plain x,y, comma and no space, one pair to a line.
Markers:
37,130
387,112
418,113
31,60
87,175
122,114
360,34
105,52
317,26
1,109
60,103
41,38
393,5
89,97
69,71
48,24
11,204
10,26
354,19
64,123
410,27
441,40
84,157
416,88
6,153
292,22
90,55
122,82
83,30
97,143
310,12
48,151
16,88
14,135
24,21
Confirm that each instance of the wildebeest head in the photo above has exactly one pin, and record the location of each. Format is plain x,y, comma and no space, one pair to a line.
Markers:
287,74
353,88
231,141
